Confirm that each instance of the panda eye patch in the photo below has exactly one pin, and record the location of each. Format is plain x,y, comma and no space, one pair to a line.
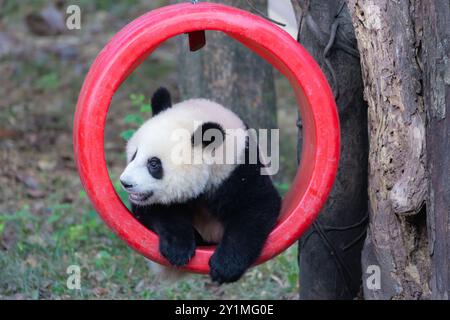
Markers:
155,168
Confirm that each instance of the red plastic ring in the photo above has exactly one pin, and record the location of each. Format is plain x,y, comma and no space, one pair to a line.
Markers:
134,43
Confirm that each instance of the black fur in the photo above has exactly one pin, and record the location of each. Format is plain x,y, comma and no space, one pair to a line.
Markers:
173,224
161,100
199,134
247,204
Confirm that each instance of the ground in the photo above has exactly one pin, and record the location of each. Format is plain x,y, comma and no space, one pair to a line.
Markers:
46,221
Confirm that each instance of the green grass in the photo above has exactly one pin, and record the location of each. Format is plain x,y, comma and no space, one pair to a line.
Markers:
44,245
34,267
40,238
41,243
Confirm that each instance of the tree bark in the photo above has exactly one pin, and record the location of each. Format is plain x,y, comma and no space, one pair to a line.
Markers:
404,62
330,251
435,17
389,38
228,73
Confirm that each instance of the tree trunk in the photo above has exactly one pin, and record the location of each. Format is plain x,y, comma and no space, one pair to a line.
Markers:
228,73
330,252
389,40
404,61
436,67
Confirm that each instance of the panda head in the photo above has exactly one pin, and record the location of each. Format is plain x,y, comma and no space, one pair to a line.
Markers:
160,167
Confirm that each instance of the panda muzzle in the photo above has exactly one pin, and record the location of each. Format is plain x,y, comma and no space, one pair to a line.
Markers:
140,197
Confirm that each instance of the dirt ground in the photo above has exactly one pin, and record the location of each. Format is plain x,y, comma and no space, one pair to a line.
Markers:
46,220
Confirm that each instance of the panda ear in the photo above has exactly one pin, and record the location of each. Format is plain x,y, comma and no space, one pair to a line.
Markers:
161,101
208,133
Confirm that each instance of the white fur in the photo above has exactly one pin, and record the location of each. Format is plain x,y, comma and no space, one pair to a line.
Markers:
155,138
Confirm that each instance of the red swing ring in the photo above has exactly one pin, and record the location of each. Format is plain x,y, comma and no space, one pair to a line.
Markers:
133,44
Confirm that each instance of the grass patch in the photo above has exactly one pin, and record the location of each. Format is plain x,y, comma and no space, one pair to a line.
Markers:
43,247
42,235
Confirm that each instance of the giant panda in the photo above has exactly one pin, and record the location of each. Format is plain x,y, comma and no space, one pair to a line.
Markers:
187,203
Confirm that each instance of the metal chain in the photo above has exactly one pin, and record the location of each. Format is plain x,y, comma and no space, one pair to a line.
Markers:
254,10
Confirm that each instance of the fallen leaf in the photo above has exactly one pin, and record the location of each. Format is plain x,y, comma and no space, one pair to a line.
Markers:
48,22
28,180
31,261
47,164
36,194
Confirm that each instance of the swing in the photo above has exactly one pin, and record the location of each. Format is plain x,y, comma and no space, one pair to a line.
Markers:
134,43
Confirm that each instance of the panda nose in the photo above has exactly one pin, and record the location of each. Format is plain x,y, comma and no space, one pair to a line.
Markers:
126,185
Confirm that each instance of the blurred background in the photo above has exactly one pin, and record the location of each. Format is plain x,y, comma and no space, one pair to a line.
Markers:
46,221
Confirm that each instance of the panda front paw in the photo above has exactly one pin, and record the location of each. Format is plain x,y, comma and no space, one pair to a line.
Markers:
177,251
223,270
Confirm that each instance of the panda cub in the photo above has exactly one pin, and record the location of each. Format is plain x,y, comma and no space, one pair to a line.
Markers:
190,203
